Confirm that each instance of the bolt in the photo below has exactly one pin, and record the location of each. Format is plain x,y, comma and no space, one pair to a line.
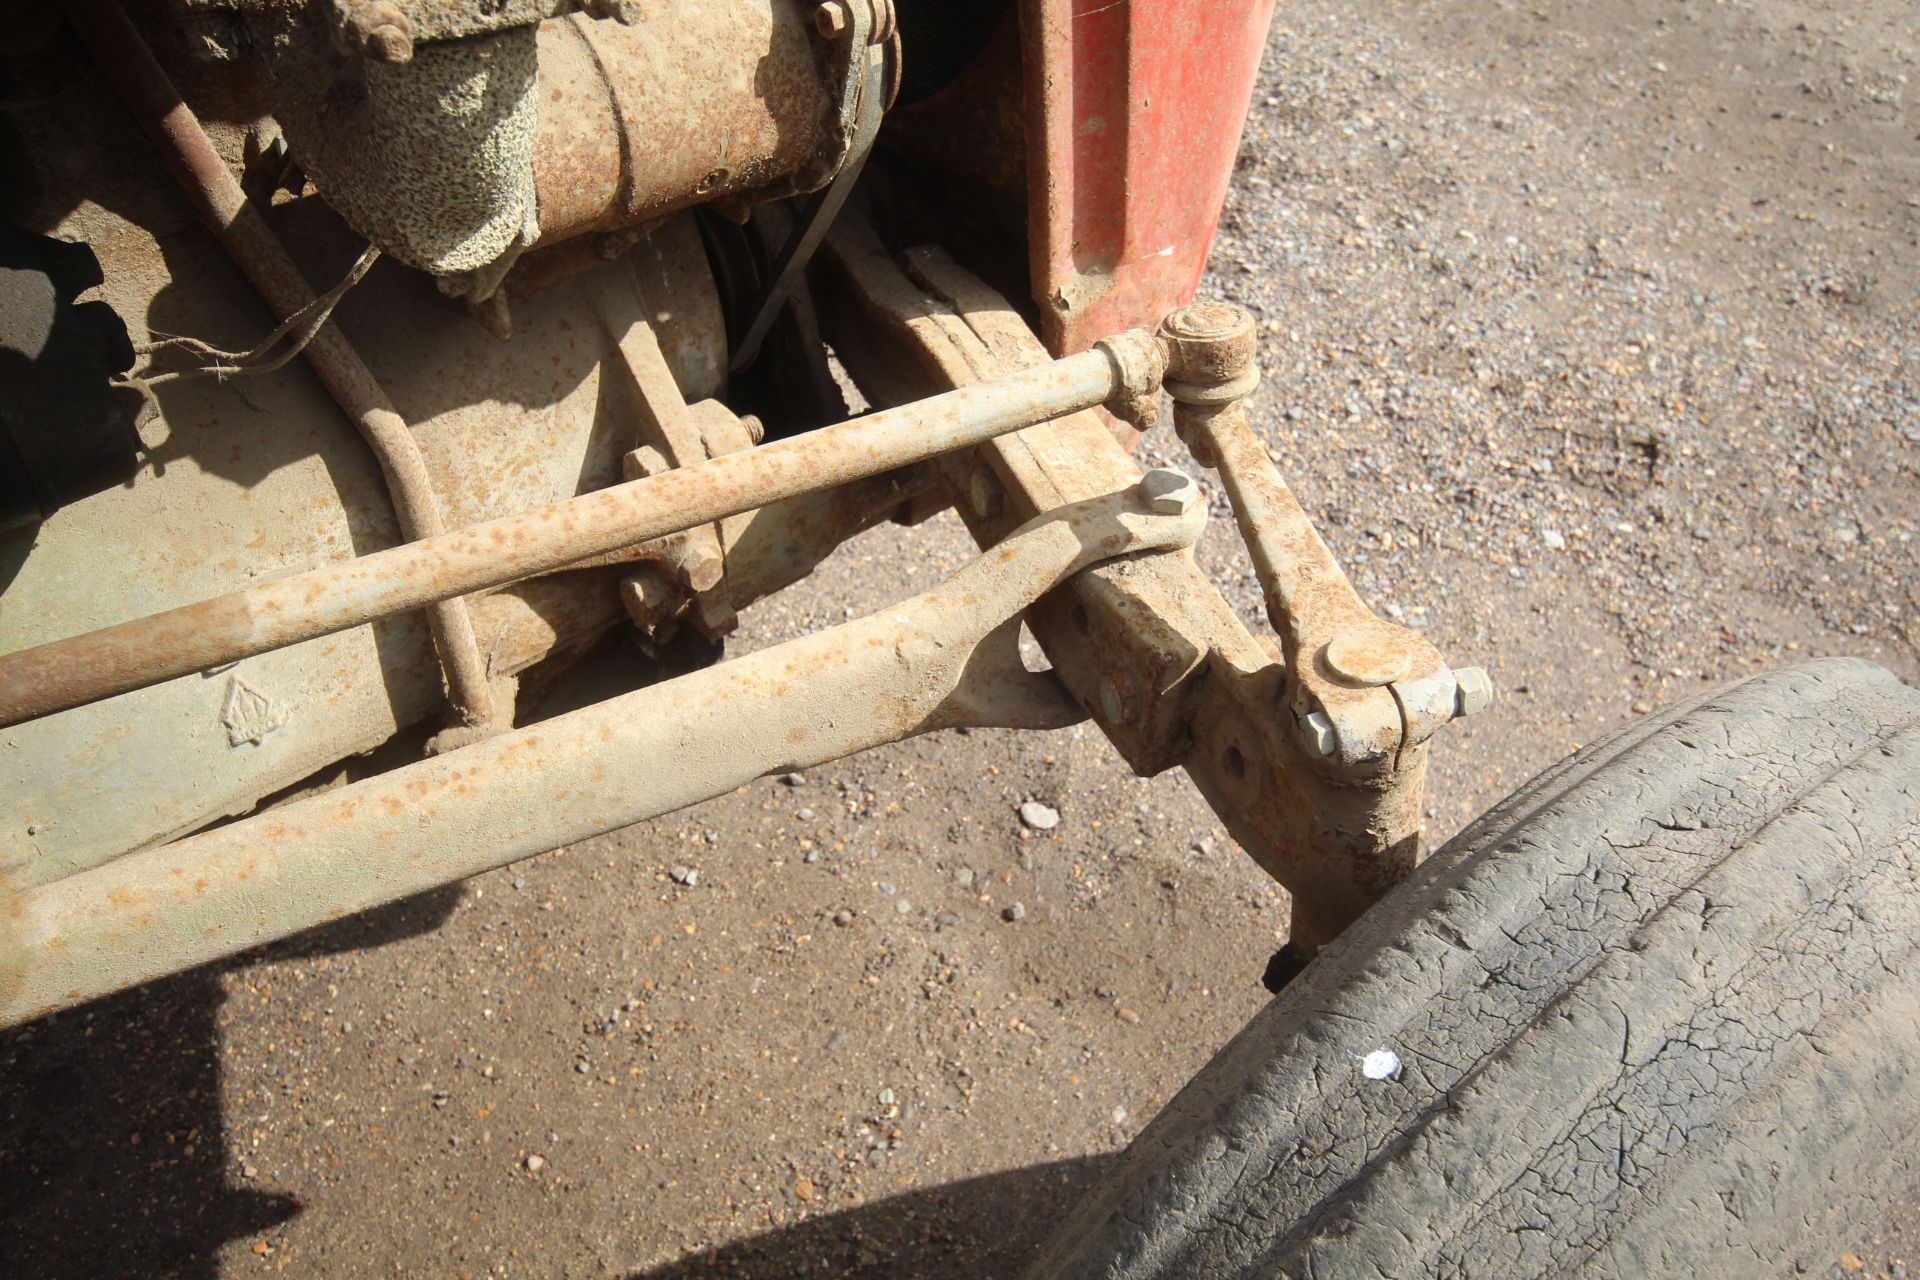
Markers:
650,599
983,492
643,462
1473,691
830,19
381,31
1169,492
1317,731
389,43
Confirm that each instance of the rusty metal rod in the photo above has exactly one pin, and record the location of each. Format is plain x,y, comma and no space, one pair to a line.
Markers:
946,657
156,105
212,633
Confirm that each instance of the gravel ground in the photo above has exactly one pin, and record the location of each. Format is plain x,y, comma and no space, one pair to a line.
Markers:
1591,347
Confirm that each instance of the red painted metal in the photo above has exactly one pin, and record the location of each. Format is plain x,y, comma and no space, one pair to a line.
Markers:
1134,112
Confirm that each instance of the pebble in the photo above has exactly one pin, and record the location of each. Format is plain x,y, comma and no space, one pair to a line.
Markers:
1015,913
792,779
684,875
1129,1016
963,877
1039,816
1553,538
813,855
834,1042
535,1163
1119,1115
805,815
843,918
903,906
876,1157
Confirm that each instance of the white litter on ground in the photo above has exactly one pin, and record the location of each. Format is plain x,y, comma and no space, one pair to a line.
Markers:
1381,1064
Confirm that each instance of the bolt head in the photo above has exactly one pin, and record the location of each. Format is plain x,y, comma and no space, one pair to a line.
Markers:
830,19
1473,691
389,44
1368,657
1316,732
1168,492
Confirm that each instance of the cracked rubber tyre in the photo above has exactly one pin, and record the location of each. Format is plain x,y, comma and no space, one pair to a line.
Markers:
1657,1013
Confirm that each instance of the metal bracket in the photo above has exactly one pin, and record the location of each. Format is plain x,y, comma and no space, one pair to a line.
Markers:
1363,691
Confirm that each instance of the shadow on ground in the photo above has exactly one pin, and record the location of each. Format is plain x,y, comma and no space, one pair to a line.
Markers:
985,1226
113,1145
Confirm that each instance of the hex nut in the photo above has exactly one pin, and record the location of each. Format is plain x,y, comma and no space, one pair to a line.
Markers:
1169,492
830,19
1473,691
1316,731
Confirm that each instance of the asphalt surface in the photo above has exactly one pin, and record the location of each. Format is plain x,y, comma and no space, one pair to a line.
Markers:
1589,344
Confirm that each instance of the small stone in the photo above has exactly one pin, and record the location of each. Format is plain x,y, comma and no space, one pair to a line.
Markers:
964,877
1553,538
684,875
803,1190
1015,913
903,906
1039,816
1129,1016
813,856
876,1157
1119,1115
1852,1263
581,1067
805,815
1381,1064
535,1163
834,1042
886,1097
843,917
792,779
1642,707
